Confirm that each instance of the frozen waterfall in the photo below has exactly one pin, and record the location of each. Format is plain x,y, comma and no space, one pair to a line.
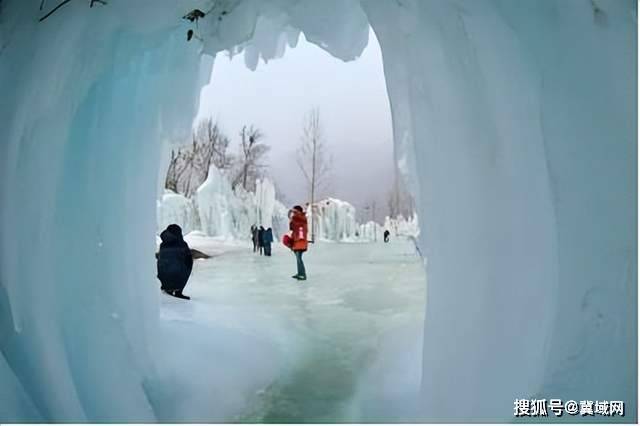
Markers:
217,210
334,220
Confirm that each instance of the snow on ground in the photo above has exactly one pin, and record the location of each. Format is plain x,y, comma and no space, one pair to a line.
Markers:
264,347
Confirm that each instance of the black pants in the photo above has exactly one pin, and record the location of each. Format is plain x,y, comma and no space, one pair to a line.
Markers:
267,249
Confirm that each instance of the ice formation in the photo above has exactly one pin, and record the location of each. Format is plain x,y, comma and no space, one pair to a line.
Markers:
334,220
520,115
370,231
219,211
176,208
397,227
217,207
401,226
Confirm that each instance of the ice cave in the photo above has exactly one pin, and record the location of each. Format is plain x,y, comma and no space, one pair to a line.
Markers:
514,123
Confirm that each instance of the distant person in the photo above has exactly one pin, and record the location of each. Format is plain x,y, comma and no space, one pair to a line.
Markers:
260,239
386,235
298,228
267,239
254,237
175,262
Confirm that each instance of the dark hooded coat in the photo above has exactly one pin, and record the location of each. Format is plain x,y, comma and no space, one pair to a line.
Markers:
267,237
174,260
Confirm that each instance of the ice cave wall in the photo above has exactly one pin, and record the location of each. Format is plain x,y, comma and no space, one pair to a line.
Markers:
521,117
87,95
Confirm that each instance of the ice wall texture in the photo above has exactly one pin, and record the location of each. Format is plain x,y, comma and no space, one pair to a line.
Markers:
515,121
370,231
223,212
522,118
219,211
178,209
335,220
87,97
401,226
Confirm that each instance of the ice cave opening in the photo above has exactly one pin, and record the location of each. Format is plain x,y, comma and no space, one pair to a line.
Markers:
313,130
514,121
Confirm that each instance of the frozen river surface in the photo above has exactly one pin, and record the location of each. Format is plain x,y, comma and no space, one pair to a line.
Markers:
345,345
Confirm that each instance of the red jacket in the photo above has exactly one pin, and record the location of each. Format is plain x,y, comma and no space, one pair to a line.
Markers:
298,227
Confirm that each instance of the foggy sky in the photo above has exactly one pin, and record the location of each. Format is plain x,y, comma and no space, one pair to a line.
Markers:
354,112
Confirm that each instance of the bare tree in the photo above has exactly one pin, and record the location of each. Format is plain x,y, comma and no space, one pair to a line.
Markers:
252,152
213,146
177,167
189,165
52,11
313,160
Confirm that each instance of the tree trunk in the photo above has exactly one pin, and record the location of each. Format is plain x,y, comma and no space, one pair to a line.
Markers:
313,188
244,176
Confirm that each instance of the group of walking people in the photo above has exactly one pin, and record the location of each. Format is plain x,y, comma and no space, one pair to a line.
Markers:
175,258
262,239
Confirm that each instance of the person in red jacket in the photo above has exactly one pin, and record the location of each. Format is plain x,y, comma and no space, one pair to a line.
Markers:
298,228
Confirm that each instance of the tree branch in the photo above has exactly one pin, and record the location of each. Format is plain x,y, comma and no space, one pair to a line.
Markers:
54,10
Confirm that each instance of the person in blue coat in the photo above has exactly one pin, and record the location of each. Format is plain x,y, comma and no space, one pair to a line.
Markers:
267,239
175,262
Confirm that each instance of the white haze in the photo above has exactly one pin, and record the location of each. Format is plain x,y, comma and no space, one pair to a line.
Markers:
354,111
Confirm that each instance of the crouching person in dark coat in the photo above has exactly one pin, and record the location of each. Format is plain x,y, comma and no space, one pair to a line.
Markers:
174,262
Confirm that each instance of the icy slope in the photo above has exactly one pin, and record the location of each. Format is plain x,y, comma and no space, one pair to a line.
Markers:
514,120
